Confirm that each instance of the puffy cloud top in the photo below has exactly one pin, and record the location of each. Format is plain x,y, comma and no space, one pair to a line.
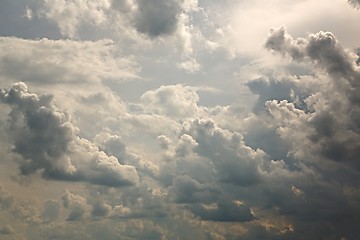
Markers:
331,122
48,143
174,101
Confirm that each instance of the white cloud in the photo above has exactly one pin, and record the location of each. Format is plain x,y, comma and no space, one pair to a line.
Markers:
28,13
48,61
70,15
247,22
190,66
174,101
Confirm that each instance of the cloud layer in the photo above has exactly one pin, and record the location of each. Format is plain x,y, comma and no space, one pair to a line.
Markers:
180,119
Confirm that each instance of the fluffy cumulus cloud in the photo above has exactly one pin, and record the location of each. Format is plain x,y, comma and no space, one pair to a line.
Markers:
173,101
132,19
47,143
135,119
156,19
329,123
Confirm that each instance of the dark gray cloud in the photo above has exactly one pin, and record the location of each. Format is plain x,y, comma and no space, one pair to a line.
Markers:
158,17
47,141
100,208
322,133
234,162
322,48
76,205
280,41
188,190
210,161
270,89
224,211
332,125
355,3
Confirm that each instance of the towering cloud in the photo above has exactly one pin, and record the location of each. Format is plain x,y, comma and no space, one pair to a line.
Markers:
329,125
48,143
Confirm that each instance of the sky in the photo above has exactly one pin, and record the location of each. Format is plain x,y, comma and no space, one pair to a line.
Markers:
179,119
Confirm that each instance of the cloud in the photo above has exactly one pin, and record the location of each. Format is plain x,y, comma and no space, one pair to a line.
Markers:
329,124
190,66
113,146
225,211
47,142
188,190
76,204
48,61
175,101
164,141
270,89
322,48
6,230
210,151
209,161
315,114
280,41
70,15
157,18
6,199
51,210
355,3
133,22
100,209
234,162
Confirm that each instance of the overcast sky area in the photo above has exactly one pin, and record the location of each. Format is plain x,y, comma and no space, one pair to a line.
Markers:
179,119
